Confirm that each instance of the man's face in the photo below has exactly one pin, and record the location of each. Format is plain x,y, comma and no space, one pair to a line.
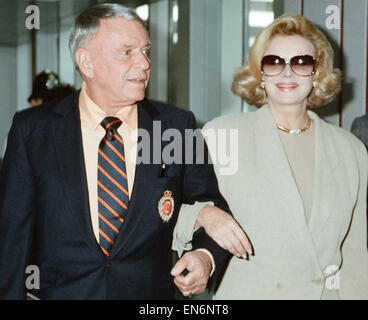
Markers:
35,102
119,56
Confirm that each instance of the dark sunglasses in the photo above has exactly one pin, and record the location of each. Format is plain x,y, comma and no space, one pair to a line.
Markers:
303,65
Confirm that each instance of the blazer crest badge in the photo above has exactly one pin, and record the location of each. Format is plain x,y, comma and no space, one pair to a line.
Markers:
166,206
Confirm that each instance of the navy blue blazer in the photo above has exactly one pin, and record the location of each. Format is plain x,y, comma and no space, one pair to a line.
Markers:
45,217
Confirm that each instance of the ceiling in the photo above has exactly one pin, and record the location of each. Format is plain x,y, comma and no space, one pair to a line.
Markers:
13,16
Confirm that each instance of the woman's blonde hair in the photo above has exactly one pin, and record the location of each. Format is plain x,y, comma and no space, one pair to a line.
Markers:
247,80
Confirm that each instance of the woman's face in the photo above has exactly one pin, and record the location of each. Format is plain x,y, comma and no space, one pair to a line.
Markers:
288,88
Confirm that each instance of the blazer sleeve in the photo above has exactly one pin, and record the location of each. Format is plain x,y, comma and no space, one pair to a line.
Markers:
354,269
200,185
355,127
16,215
359,129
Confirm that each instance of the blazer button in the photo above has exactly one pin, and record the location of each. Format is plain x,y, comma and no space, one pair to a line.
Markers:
109,265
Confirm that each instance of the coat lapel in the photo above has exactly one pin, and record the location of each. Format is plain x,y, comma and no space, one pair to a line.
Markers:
273,159
145,173
279,184
282,187
274,166
69,150
325,182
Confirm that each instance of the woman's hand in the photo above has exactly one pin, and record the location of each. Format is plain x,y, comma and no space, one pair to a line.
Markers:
225,230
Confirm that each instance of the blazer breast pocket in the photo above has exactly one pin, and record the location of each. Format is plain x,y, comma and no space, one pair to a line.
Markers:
162,182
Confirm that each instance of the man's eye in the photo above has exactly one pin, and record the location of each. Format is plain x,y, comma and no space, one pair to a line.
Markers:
146,52
126,52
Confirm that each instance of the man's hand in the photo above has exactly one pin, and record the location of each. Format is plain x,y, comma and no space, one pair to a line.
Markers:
225,230
199,266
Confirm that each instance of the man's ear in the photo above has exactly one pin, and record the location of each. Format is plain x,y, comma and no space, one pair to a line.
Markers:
83,59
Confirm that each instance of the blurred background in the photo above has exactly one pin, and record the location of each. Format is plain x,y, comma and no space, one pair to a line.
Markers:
197,45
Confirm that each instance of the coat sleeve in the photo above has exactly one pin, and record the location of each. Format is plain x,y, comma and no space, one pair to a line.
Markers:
184,229
354,269
16,215
200,185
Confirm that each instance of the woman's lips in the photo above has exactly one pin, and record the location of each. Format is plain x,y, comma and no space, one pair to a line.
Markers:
286,86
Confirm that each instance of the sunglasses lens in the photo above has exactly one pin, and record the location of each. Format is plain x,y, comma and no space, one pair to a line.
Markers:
272,65
302,65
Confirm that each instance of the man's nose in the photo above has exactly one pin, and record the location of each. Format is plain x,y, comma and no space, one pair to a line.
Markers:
142,60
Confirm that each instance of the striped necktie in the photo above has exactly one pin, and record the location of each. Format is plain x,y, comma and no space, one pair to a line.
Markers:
113,196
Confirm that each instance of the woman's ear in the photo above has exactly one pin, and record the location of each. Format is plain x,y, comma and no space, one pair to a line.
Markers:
316,74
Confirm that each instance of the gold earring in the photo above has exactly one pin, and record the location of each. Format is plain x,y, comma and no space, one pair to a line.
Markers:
262,85
314,84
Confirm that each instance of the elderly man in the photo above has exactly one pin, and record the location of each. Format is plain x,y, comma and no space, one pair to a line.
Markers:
74,201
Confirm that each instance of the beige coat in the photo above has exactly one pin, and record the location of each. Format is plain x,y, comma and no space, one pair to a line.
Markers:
292,258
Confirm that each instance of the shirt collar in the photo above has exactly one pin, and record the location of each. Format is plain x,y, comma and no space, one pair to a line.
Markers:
93,114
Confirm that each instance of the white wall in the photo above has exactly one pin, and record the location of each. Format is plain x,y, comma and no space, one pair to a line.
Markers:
46,57
205,59
8,101
67,71
24,75
231,52
159,32
356,59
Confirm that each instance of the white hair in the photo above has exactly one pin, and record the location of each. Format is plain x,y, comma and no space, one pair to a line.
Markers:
88,23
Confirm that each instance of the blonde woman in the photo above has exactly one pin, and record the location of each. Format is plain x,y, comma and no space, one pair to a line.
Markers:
301,187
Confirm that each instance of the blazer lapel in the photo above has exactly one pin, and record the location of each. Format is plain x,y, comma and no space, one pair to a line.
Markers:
145,173
69,150
325,183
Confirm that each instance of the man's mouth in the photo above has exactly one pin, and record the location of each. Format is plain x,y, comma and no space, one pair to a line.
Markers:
138,80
